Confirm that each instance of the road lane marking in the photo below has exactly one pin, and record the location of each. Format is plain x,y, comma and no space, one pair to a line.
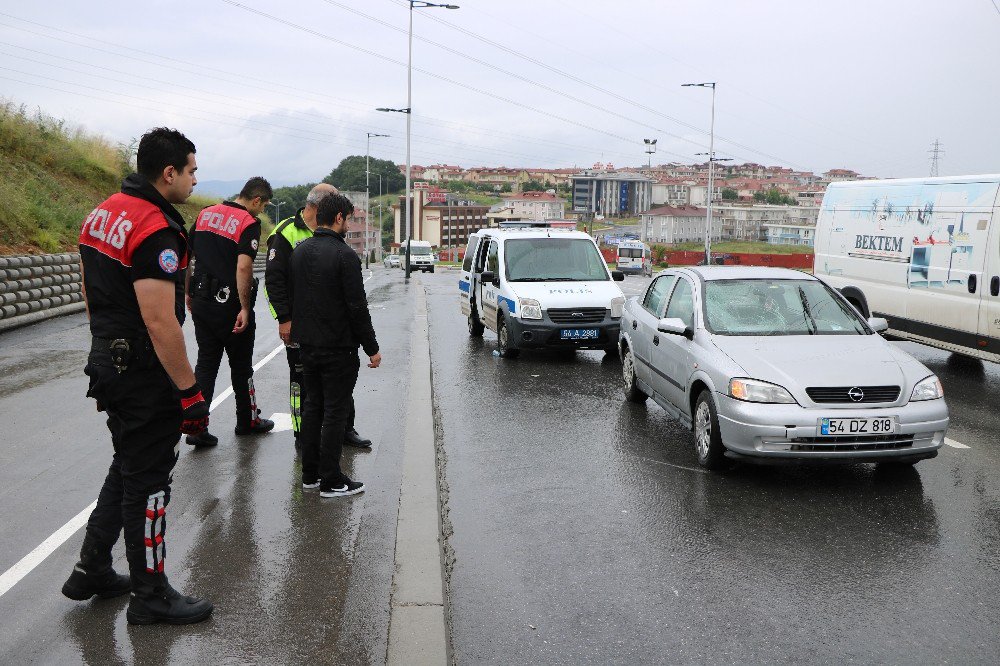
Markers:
660,462
955,445
26,564
282,421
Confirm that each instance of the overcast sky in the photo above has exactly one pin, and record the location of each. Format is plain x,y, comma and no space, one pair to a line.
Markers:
287,89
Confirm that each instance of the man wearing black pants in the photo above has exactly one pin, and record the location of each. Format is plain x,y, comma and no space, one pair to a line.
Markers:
133,252
330,320
221,292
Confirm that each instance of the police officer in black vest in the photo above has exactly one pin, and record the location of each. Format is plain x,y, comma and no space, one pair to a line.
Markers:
221,295
330,320
133,252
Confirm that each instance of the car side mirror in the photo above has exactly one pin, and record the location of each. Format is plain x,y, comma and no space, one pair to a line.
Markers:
674,326
878,324
491,277
617,276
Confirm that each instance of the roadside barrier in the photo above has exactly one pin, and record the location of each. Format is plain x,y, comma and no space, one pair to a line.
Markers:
33,288
38,287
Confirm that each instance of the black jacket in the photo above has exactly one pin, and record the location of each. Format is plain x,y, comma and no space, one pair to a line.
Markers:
329,306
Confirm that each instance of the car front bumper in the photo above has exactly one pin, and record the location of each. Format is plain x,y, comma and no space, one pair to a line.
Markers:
765,431
542,333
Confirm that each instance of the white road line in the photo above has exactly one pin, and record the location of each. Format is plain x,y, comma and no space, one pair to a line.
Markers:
26,564
955,445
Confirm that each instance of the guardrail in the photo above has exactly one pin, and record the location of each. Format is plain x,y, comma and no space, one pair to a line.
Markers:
38,287
33,288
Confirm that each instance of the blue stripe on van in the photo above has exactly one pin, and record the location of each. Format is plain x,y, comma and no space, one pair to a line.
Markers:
511,307
463,285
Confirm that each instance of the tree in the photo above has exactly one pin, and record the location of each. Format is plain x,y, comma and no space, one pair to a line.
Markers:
350,175
729,194
534,186
759,196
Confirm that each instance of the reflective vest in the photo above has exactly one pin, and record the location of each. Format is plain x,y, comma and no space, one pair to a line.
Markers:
292,233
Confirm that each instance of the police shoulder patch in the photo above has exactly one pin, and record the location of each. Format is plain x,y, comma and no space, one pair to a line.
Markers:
270,255
253,244
169,261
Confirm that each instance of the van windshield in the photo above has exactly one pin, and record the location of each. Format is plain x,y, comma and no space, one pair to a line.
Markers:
553,260
419,249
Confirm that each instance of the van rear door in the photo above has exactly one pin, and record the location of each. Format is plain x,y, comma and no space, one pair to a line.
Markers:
465,281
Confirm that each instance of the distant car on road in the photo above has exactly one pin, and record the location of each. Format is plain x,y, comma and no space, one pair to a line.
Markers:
771,363
391,261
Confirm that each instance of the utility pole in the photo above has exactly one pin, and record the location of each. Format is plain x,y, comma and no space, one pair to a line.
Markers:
936,153
368,208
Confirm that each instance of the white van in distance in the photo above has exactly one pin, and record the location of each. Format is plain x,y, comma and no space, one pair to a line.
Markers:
539,287
421,256
634,257
921,253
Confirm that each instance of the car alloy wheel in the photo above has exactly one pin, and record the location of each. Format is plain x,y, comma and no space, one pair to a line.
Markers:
703,429
632,391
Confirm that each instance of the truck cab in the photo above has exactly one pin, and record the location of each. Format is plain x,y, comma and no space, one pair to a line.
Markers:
540,288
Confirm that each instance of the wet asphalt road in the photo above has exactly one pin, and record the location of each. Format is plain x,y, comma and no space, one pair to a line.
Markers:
580,529
294,578
584,532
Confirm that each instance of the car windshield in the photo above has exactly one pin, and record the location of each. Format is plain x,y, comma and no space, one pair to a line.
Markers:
553,259
778,307
417,249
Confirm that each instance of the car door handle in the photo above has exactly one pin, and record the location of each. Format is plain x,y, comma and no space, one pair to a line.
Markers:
656,340
635,324
972,284
995,285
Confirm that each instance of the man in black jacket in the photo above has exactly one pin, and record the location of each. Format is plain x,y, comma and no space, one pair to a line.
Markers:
285,238
330,320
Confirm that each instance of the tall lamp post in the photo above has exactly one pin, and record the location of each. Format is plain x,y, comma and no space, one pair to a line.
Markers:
650,149
711,168
368,208
277,210
414,4
712,159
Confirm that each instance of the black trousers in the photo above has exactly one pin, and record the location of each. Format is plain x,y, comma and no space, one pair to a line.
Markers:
330,377
213,329
297,390
144,417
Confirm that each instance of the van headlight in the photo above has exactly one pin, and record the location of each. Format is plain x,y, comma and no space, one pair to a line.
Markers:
617,307
530,309
928,389
753,390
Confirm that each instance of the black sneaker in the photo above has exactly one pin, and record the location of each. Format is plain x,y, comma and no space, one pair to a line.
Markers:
348,487
256,427
352,438
203,439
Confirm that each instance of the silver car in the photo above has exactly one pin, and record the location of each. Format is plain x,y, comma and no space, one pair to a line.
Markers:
770,363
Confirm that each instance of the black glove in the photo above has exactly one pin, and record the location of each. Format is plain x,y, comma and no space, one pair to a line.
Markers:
195,411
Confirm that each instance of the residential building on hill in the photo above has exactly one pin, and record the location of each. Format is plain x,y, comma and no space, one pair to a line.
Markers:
677,224
611,193
536,206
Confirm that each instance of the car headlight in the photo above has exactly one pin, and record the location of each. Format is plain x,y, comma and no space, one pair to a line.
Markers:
617,307
752,390
928,389
530,309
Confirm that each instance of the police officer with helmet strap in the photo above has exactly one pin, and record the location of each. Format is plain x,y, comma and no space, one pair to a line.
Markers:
221,295
277,281
133,253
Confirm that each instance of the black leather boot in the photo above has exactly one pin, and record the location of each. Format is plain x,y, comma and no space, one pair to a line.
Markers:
158,602
93,574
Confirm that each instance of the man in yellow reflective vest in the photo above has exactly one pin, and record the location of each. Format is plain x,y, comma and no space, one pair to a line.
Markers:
280,243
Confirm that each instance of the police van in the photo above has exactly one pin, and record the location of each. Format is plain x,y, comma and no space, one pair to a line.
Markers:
634,257
540,287
922,253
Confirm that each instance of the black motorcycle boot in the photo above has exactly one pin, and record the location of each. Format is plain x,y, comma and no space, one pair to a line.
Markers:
93,574
154,601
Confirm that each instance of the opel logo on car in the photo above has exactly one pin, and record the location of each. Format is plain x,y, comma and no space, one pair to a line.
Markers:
578,315
856,394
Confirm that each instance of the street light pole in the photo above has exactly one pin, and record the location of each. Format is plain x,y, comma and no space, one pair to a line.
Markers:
368,208
277,210
418,4
711,168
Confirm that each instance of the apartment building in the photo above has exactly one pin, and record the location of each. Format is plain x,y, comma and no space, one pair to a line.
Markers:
440,223
611,193
677,224
535,206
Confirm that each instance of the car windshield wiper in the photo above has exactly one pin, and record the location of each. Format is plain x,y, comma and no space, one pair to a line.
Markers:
807,313
544,279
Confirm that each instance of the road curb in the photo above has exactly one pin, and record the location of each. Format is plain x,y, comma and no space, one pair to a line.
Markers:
417,633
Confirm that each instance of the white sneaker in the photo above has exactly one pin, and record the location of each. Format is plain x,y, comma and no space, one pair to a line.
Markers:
310,486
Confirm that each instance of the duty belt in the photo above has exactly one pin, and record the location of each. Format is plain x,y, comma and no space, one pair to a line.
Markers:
208,286
123,351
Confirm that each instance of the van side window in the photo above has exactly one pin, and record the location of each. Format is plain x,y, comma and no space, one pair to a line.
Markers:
492,259
481,255
653,300
682,304
470,253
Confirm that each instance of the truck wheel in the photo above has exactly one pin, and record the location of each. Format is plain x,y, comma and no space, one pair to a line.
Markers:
707,438
632,391
431,269
503,339
475,326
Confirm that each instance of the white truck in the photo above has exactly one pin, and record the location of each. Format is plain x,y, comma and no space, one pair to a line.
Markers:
421,256
923,253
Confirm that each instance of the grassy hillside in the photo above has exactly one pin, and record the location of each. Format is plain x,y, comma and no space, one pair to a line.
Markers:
51,177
